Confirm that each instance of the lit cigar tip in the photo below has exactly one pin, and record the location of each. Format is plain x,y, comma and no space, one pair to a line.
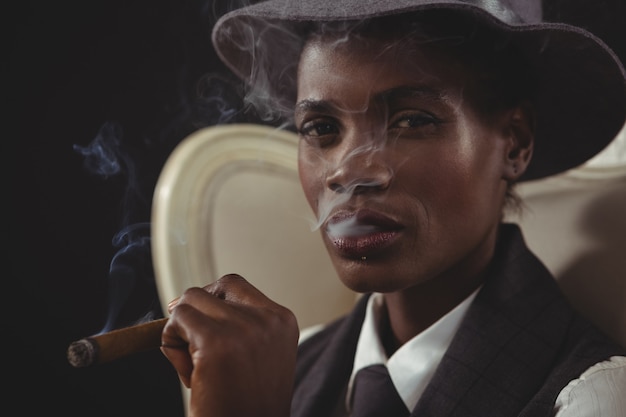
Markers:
81,353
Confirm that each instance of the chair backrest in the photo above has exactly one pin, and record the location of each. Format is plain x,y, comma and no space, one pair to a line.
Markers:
228,200
576,223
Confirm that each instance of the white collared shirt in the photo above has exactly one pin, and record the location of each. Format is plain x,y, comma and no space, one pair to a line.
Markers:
598,392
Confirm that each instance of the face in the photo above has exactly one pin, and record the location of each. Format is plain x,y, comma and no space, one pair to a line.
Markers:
403,174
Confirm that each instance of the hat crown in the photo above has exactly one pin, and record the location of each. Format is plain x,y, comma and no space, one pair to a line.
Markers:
508,11
511,11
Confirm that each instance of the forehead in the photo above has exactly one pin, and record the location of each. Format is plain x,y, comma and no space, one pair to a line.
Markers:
370,62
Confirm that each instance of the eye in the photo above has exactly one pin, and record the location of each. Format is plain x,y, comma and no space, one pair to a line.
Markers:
319,132
316,129
413,120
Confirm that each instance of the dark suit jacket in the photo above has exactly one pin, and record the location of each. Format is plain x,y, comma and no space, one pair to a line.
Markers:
518,346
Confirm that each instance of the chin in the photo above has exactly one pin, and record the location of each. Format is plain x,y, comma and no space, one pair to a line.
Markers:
364,282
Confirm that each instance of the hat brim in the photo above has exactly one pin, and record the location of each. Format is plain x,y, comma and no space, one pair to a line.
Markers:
581,96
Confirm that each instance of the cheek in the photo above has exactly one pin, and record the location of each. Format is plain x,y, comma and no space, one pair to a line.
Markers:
451,179
472,187
432,172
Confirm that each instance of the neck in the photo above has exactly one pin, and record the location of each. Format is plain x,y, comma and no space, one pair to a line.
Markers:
412,310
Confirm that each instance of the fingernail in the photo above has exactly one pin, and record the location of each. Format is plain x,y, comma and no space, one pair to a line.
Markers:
172,304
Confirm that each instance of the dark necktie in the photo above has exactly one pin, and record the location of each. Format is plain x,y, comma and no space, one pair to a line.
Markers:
374,394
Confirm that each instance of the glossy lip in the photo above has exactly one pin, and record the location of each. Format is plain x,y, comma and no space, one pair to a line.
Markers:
363,233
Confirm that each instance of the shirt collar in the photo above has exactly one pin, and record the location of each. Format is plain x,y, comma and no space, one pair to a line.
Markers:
412,366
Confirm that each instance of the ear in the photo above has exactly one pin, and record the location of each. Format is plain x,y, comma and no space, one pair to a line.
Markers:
520,134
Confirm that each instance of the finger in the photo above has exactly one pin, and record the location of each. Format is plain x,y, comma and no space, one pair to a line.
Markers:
236,289
204,302
172,304
181,337
180,359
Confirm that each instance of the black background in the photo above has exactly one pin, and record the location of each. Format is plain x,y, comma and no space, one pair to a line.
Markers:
74,66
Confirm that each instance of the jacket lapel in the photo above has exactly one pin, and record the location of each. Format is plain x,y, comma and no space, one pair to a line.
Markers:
325,364
512,332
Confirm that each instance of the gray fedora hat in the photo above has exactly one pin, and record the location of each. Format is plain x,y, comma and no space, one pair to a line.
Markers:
581,92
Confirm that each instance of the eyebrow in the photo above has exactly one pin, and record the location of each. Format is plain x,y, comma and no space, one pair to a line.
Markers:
383,97
404,92
315,106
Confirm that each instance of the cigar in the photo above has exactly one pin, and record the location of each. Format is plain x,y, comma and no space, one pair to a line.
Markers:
107,347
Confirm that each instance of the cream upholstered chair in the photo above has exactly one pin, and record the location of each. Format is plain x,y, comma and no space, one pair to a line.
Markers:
229,200
576,223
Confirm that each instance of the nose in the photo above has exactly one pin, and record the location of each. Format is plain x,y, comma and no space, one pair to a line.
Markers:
361,170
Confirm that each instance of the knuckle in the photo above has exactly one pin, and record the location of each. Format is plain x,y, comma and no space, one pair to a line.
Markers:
284,318
230,279
191,291
189,294
224,285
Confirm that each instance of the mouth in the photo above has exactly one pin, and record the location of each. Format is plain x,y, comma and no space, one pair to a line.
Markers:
362,234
